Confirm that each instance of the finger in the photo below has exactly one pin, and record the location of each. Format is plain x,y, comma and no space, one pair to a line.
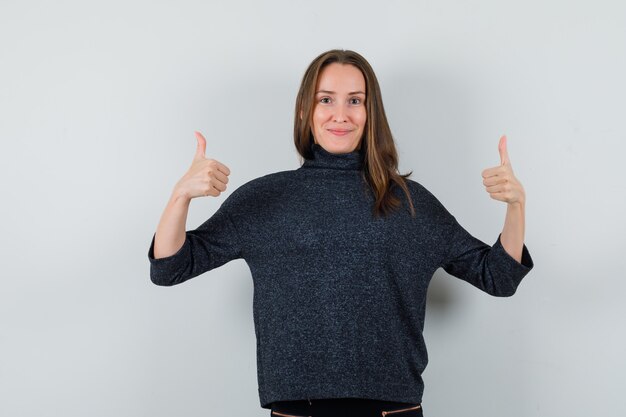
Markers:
212,191
218,185
213,187
220,176
223,168
498,196
491,172
201,148
495,180
504,154
496,188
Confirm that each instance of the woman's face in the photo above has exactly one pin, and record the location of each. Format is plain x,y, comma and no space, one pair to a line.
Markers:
339,112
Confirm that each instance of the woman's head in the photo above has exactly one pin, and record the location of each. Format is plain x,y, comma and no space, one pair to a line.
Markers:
351,100
325,103
339,112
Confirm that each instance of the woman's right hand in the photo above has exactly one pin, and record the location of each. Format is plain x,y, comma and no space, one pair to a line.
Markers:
205,176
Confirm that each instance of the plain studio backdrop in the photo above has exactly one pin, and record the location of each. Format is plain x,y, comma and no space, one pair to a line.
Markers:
98,105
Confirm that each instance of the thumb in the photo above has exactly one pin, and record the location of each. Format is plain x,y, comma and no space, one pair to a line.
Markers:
201,148
504,154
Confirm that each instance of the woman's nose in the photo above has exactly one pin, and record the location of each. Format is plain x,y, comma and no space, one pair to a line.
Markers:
340,114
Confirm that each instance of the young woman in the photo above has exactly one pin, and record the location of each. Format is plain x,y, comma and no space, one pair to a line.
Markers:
341,252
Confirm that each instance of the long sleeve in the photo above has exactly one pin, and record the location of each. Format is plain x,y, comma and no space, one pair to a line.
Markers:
211,245
491,269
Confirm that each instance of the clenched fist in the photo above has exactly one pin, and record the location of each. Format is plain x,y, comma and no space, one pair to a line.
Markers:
205,176
500,182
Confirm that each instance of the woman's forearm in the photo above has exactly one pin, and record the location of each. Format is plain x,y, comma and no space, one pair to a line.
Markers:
170,233
512,237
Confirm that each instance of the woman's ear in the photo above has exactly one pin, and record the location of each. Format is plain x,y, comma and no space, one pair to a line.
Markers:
300,114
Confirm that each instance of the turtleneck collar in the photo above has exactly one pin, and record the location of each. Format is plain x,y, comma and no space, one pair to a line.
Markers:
324,159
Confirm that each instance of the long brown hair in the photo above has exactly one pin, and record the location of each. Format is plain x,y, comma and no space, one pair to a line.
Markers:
380,167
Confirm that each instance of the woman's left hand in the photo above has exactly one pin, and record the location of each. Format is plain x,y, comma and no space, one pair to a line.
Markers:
500,182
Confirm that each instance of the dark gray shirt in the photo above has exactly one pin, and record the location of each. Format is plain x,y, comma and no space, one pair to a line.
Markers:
339,295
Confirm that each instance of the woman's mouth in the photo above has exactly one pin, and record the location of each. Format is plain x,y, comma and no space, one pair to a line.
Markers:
339,132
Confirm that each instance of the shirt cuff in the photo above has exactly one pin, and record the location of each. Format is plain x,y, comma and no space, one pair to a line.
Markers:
163,268
514,268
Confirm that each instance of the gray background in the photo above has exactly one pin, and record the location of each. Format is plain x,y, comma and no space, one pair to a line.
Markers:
98,104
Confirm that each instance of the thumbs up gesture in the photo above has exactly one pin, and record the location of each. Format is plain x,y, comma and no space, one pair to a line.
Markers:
205,176
500,182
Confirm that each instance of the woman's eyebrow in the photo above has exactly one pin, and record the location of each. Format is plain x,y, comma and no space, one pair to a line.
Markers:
332,92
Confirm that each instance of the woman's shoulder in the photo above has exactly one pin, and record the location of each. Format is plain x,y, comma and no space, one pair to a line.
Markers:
418,190
425,199
267,182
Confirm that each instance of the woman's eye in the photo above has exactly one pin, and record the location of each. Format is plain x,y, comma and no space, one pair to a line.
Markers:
354,100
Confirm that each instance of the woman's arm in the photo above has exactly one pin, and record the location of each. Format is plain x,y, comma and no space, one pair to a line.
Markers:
175,254
513,232
204,177
502,185
170,233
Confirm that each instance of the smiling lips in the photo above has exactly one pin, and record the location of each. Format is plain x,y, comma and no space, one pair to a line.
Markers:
339,132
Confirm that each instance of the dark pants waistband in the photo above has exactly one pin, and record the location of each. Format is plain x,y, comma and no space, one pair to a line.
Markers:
346,407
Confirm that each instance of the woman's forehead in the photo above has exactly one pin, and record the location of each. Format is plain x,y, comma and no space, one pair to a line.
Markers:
340,79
